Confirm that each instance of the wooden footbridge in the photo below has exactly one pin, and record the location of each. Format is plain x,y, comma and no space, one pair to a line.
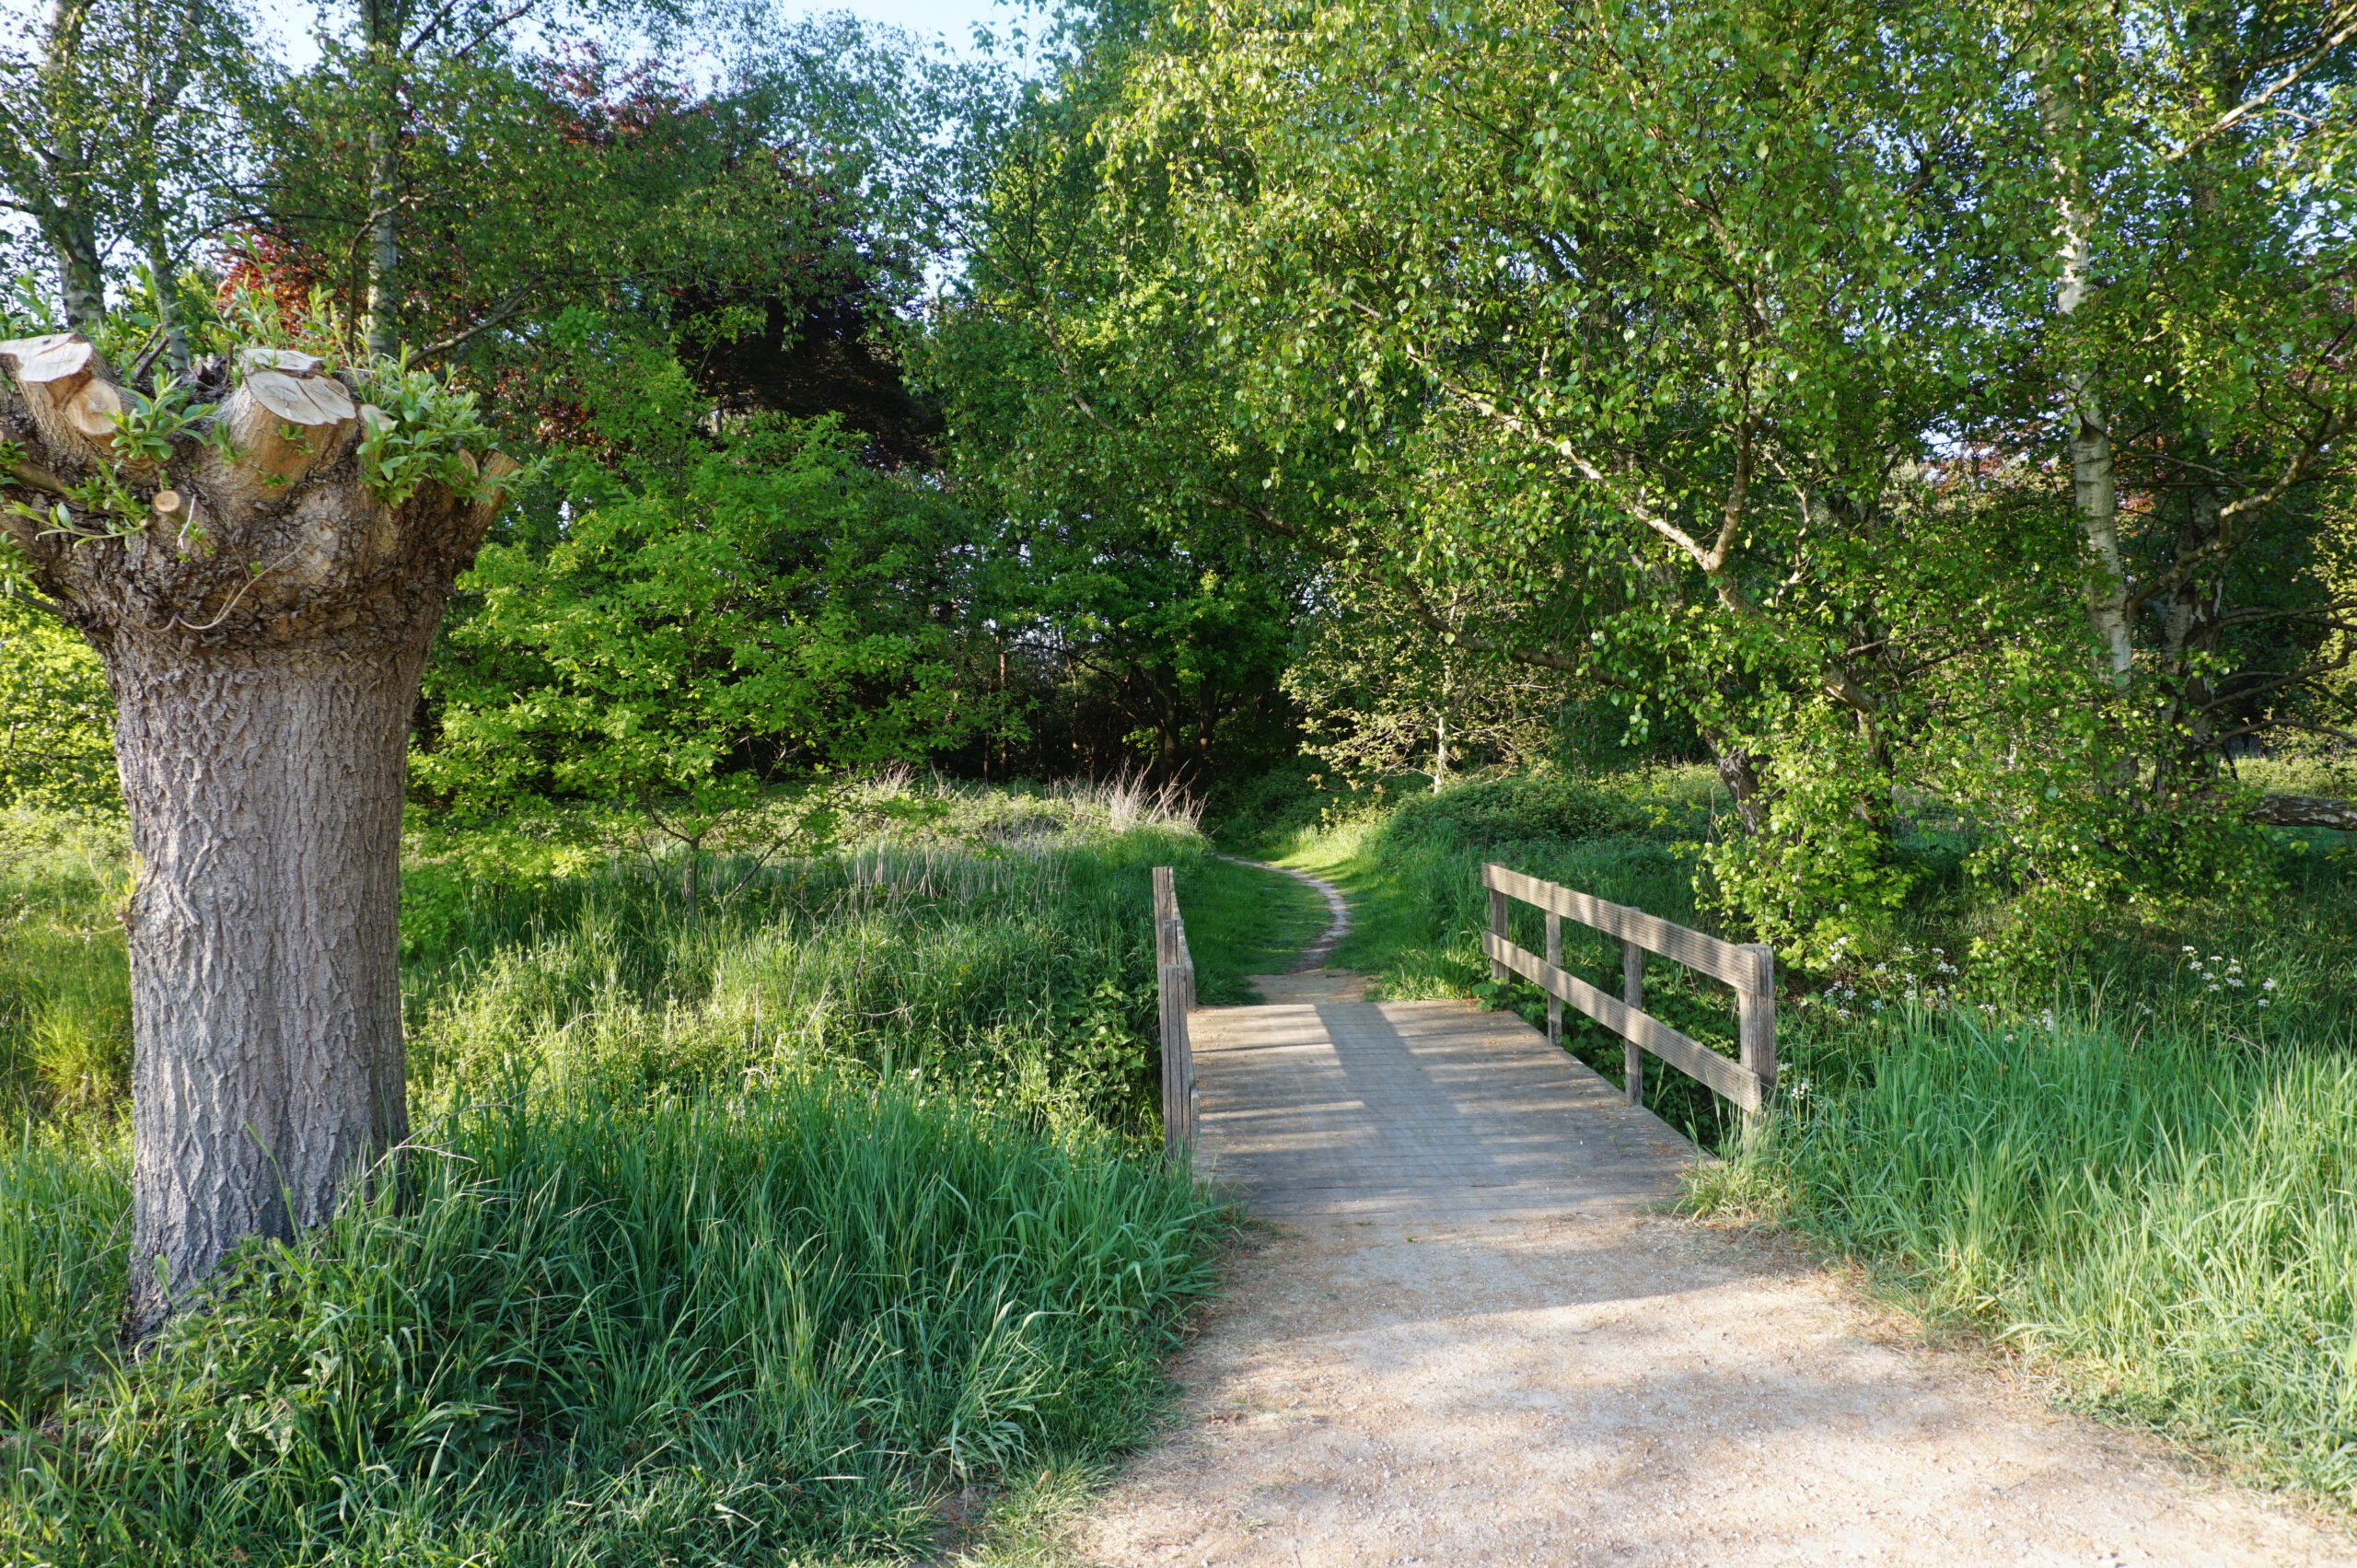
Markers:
1462,1339
1317,1101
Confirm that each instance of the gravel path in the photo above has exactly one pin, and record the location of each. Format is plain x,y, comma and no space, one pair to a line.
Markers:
1468,1336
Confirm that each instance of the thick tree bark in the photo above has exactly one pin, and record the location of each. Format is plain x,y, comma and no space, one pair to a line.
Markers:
265,785
263,623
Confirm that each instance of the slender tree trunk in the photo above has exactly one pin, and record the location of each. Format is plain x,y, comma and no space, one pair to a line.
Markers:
380,22
1739,770
265,785
163,274
2095,490
2187,630
81,280
384,243
263,625
69,151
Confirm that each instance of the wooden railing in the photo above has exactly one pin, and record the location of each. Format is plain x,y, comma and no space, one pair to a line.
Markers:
1750,969
1174,972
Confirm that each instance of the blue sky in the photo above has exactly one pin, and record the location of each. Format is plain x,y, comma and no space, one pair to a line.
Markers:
287,24
953,19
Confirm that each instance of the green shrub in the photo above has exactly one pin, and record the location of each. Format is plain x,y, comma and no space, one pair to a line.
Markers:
1517,808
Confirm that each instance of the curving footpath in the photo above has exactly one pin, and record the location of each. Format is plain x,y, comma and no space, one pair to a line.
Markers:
1337,911
1468,1336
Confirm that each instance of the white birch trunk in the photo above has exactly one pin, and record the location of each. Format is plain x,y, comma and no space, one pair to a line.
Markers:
2095,490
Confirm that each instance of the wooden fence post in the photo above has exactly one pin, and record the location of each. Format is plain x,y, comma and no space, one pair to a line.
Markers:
1756,1031
1554,957
1174,984
1498,928
1749,970
1633,992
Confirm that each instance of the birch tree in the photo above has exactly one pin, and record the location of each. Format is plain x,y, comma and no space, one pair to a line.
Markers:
1934,401
119,134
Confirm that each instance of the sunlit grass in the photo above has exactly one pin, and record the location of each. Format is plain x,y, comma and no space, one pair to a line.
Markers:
782,1232
695,1329
2167,1219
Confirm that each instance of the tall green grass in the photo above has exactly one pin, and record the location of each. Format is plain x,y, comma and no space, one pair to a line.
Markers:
699,1330
64,988
775,1232
1022,977
2169,1220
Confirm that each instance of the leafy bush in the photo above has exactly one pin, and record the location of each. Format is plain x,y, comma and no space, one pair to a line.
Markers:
1517,808
56,716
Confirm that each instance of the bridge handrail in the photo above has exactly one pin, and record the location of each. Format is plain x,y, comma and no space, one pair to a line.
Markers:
1749,968
1174,977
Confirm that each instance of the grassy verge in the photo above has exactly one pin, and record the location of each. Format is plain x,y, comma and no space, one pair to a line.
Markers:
692,1330
795,1231
64,987
2164,1220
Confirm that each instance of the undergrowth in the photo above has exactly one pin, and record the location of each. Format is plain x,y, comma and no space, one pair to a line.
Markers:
791,1230
2164,1218
696,1330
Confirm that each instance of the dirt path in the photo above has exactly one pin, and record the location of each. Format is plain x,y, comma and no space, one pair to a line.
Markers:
1468,1338
1338,913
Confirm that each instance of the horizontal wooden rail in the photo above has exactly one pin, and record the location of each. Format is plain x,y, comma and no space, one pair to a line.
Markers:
1749,968
1174,979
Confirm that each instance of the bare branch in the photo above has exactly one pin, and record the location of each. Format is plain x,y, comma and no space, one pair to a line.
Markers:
35,601
505,308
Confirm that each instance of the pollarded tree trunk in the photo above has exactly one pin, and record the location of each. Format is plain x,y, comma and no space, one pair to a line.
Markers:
263,617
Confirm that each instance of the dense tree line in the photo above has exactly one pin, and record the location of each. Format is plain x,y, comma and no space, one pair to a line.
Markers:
1932,410
1925,412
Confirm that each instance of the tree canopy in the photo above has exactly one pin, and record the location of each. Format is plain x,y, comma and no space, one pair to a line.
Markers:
1931,412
